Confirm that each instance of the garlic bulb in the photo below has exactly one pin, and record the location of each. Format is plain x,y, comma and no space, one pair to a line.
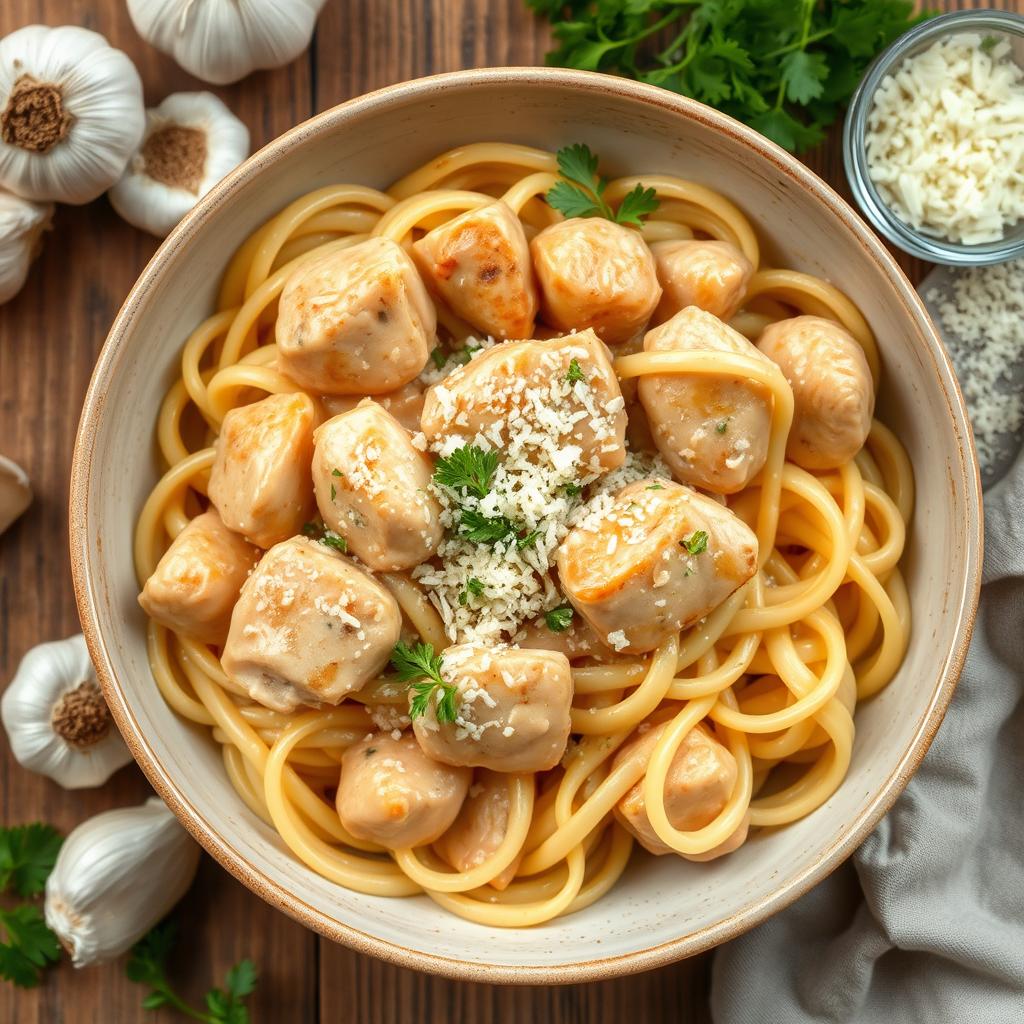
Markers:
192,140
71,113
21,224
116,875
221,41
56,719
15,492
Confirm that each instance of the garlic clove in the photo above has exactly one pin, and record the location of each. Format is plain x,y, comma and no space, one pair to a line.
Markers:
221,41
56,720
15,492
191,141
116,876
22,222
71,113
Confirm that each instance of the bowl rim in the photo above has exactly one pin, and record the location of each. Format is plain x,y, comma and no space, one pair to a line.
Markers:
86,575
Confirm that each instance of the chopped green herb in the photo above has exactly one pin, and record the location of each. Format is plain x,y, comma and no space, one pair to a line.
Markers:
369,751
572,490
465,354
655,487
468,468
696,543
420,663
334,492
580,192
722,426
334,540
480,529
559,619
575,373
438,357
147,965
529,540
336,472
473,588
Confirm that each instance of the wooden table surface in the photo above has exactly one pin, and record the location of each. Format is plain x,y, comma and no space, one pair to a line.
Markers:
49,337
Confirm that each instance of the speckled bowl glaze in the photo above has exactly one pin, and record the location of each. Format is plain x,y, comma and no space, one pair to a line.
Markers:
664,908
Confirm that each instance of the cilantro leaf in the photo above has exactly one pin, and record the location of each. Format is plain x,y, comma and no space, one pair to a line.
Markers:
580,192
636,205
575,373
570,201
803,75
421,668
469,469
473,588
481,529
696,543
559,619
30,946
571,489
27,856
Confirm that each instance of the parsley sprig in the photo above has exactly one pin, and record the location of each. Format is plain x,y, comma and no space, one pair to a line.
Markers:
27,856
147,965
469,469
420,667
580,193
785,67
559,619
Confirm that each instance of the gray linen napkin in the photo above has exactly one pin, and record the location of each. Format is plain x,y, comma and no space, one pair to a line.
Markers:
925,923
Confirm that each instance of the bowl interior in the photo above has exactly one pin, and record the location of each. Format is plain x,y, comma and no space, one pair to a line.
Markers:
664,907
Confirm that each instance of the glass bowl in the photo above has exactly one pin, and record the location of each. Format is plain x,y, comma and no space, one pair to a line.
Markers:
1000,24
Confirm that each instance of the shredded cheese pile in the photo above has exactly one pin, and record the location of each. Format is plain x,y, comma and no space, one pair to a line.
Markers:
945,140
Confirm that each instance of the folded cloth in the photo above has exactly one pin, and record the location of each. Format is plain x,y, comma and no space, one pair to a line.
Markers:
925,923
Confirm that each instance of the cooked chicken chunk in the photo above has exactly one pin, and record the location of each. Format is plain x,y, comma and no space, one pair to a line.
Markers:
480,828
197,581
260,482
594,273
372,489
569,377
658,560
711,430
710,275
699,782
309,627
479,263
357,321
405,404
833,394
393,794
513,709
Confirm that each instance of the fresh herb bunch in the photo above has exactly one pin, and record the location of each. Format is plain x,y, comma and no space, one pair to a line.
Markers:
27,856
580,193
785,67
420,667
147,965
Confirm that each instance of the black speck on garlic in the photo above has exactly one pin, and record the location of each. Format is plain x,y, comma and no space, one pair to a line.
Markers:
56,720
191,141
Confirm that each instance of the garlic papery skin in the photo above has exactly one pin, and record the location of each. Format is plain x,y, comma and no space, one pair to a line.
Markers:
221,41
22,222
192,140
116,876
71,113
56,720
15,492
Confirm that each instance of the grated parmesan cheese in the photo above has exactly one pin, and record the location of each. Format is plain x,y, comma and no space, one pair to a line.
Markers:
945,140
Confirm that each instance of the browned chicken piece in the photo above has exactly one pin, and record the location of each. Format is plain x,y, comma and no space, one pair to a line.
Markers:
578,640
572,375
196,583
712,430
699,782
357,321
309,627
405,404
480,828
712,276
393,794
660,558
260,482
594,273
479,263
833,394
372,489
513,709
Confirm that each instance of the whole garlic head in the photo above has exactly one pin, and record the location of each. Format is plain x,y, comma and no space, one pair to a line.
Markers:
221,41
71,113
192,140
21,224
116,876
56,719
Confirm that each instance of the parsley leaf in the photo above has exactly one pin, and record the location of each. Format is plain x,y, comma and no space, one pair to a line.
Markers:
147,965
696,543
528,540
559,619
419,662
580,192
469,469
572,490
319,532
438,357
473,588
27,856
722,426
785,67
480,529
30,946
334,540
575,373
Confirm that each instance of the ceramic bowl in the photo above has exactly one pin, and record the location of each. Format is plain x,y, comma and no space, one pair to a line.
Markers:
664,908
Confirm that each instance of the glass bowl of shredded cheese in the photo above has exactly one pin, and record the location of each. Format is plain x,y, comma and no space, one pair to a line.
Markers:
934,140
